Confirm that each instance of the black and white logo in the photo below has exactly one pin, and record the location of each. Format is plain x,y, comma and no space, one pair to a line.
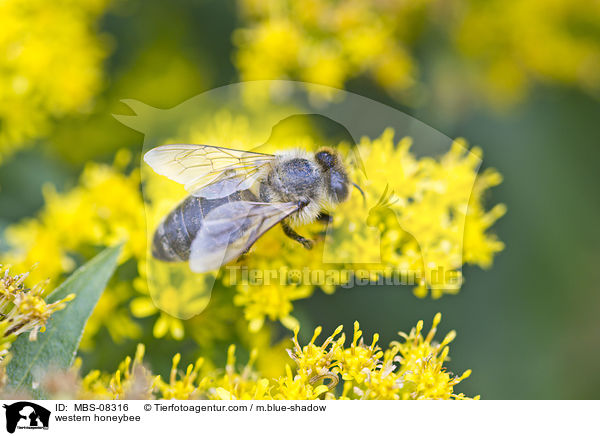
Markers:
26,415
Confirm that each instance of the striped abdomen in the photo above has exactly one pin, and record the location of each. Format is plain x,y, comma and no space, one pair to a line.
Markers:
174,235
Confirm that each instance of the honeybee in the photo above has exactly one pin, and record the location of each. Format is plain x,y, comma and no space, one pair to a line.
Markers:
236,196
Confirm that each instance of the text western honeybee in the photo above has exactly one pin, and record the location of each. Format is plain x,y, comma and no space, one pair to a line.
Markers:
236,196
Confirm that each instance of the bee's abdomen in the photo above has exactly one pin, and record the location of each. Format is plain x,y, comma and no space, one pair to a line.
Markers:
174,235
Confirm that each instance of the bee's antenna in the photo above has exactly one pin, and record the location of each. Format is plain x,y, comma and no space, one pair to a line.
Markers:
361,192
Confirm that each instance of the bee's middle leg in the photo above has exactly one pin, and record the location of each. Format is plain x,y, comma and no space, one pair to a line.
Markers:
291,233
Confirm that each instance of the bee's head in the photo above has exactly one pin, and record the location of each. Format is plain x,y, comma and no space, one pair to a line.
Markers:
334,174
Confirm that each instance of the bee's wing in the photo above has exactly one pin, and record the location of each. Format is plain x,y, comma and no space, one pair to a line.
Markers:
229,230
199,166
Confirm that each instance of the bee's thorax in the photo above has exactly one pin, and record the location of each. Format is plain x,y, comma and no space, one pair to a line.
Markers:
295,177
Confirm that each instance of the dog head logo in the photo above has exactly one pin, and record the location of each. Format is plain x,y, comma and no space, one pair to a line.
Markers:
24,414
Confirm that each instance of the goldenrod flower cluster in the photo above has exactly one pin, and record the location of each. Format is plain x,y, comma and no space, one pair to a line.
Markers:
22,310
421,216
431,220
103,210
328,42
50,64
502,48
412,368
536,40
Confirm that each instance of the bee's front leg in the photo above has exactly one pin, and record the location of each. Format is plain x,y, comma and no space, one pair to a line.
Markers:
291,233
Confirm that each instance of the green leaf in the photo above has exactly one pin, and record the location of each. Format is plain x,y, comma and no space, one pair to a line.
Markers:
56,347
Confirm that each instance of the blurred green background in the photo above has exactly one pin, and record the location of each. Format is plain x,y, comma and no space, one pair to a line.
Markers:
528,328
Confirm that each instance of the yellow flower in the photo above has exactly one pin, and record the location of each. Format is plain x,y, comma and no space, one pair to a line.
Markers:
422,364
424,219
503,48
328,42
169,324
412,369
106,208
183,388
22,310
130,381
514,45
37,84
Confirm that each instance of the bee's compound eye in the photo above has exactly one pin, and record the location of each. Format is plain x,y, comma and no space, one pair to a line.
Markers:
338,183
325,159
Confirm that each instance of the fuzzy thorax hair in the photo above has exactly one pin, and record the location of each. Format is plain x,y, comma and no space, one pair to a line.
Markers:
295,176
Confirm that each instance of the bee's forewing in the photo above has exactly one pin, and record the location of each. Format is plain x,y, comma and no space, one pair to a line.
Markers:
231,229
199,166
226,184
